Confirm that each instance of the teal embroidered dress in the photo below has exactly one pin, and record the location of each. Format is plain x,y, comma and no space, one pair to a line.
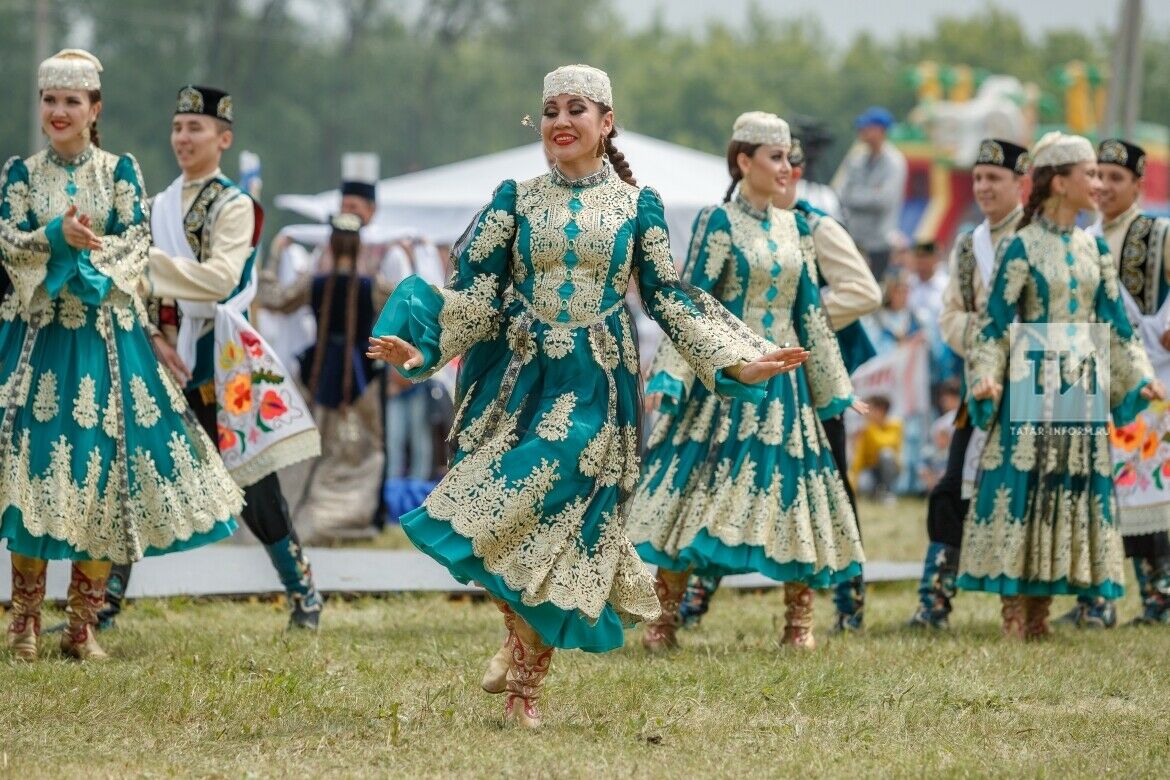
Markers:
549,397
1043,521
749,485
99,455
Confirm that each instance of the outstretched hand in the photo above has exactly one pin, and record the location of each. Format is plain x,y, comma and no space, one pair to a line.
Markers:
767,366
1154,391
395,351
77,231
986,388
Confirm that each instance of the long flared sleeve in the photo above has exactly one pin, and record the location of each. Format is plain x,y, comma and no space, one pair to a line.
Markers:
444,323
988,354
706,336
708,257
828,378
1129,364
24,246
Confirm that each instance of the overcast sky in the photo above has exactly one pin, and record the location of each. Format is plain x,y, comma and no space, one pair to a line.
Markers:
843,19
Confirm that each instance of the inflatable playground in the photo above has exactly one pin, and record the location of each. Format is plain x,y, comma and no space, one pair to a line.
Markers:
957,107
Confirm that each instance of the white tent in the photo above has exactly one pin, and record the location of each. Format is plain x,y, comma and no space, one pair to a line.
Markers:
440,202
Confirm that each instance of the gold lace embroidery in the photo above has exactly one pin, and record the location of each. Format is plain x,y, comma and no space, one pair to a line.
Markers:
542,557
718,253
146,411
700,428
629,348
161,509
174,394
467,317
772,431
45,406
749,421
605,348
557,420
111,414
85,408
656,247
818,527
558,342
71,311
495,232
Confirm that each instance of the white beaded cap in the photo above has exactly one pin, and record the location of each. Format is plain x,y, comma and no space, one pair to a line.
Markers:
583,80
70,69
760,127
1057,148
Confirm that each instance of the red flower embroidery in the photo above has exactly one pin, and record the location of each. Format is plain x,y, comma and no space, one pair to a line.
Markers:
227,438
252,343
272,405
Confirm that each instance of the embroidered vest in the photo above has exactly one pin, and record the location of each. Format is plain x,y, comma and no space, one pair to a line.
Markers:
967,268
1140,264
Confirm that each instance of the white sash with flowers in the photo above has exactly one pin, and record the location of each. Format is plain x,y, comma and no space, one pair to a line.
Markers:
263,423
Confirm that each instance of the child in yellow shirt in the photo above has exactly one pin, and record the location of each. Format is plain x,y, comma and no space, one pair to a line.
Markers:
877,455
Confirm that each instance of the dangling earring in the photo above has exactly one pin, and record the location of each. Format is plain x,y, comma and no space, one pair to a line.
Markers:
600,147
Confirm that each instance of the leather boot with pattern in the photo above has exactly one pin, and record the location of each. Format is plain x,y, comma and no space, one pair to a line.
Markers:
86,597
292,566
1036,609
662,634
1154,582
937,587
1015,617
28,593
495,677
530,660
798,616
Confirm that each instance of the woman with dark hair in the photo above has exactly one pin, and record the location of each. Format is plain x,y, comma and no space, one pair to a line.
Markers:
336,373
1042,522
732,486
101,459
533,507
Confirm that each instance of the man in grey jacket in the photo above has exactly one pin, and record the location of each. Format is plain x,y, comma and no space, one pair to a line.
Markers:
873,185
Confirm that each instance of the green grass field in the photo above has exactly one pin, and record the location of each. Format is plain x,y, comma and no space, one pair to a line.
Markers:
390,688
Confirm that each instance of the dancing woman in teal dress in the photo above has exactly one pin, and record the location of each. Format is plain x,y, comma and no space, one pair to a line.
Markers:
548,399
736,485
100,460
1043,521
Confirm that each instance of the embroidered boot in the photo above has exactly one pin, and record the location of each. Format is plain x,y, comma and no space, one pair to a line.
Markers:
495,677
530,660
292,566
697,599
849,596
937,587
1036,609
87,595
798,616
28,593
1014,616
1154,584
116,585
662,634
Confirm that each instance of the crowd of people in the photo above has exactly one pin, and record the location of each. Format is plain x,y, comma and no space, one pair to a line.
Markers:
144,414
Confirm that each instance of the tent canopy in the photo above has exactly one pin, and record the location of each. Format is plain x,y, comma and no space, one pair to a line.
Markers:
440,202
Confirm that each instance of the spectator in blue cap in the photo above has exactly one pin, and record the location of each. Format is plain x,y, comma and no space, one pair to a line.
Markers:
873,185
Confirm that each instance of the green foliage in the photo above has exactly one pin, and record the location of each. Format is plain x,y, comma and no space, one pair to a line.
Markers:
429,83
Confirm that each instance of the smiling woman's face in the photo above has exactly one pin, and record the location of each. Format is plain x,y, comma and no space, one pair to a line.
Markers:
571,127
66,115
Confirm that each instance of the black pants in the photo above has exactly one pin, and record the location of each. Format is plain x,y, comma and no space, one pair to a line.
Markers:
265,511
946,510
1152,547
835,433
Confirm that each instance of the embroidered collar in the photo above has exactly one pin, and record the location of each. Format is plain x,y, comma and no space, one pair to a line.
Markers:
72,162
749,209
588,180
1052,227
1015,213
201,182
1122,218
